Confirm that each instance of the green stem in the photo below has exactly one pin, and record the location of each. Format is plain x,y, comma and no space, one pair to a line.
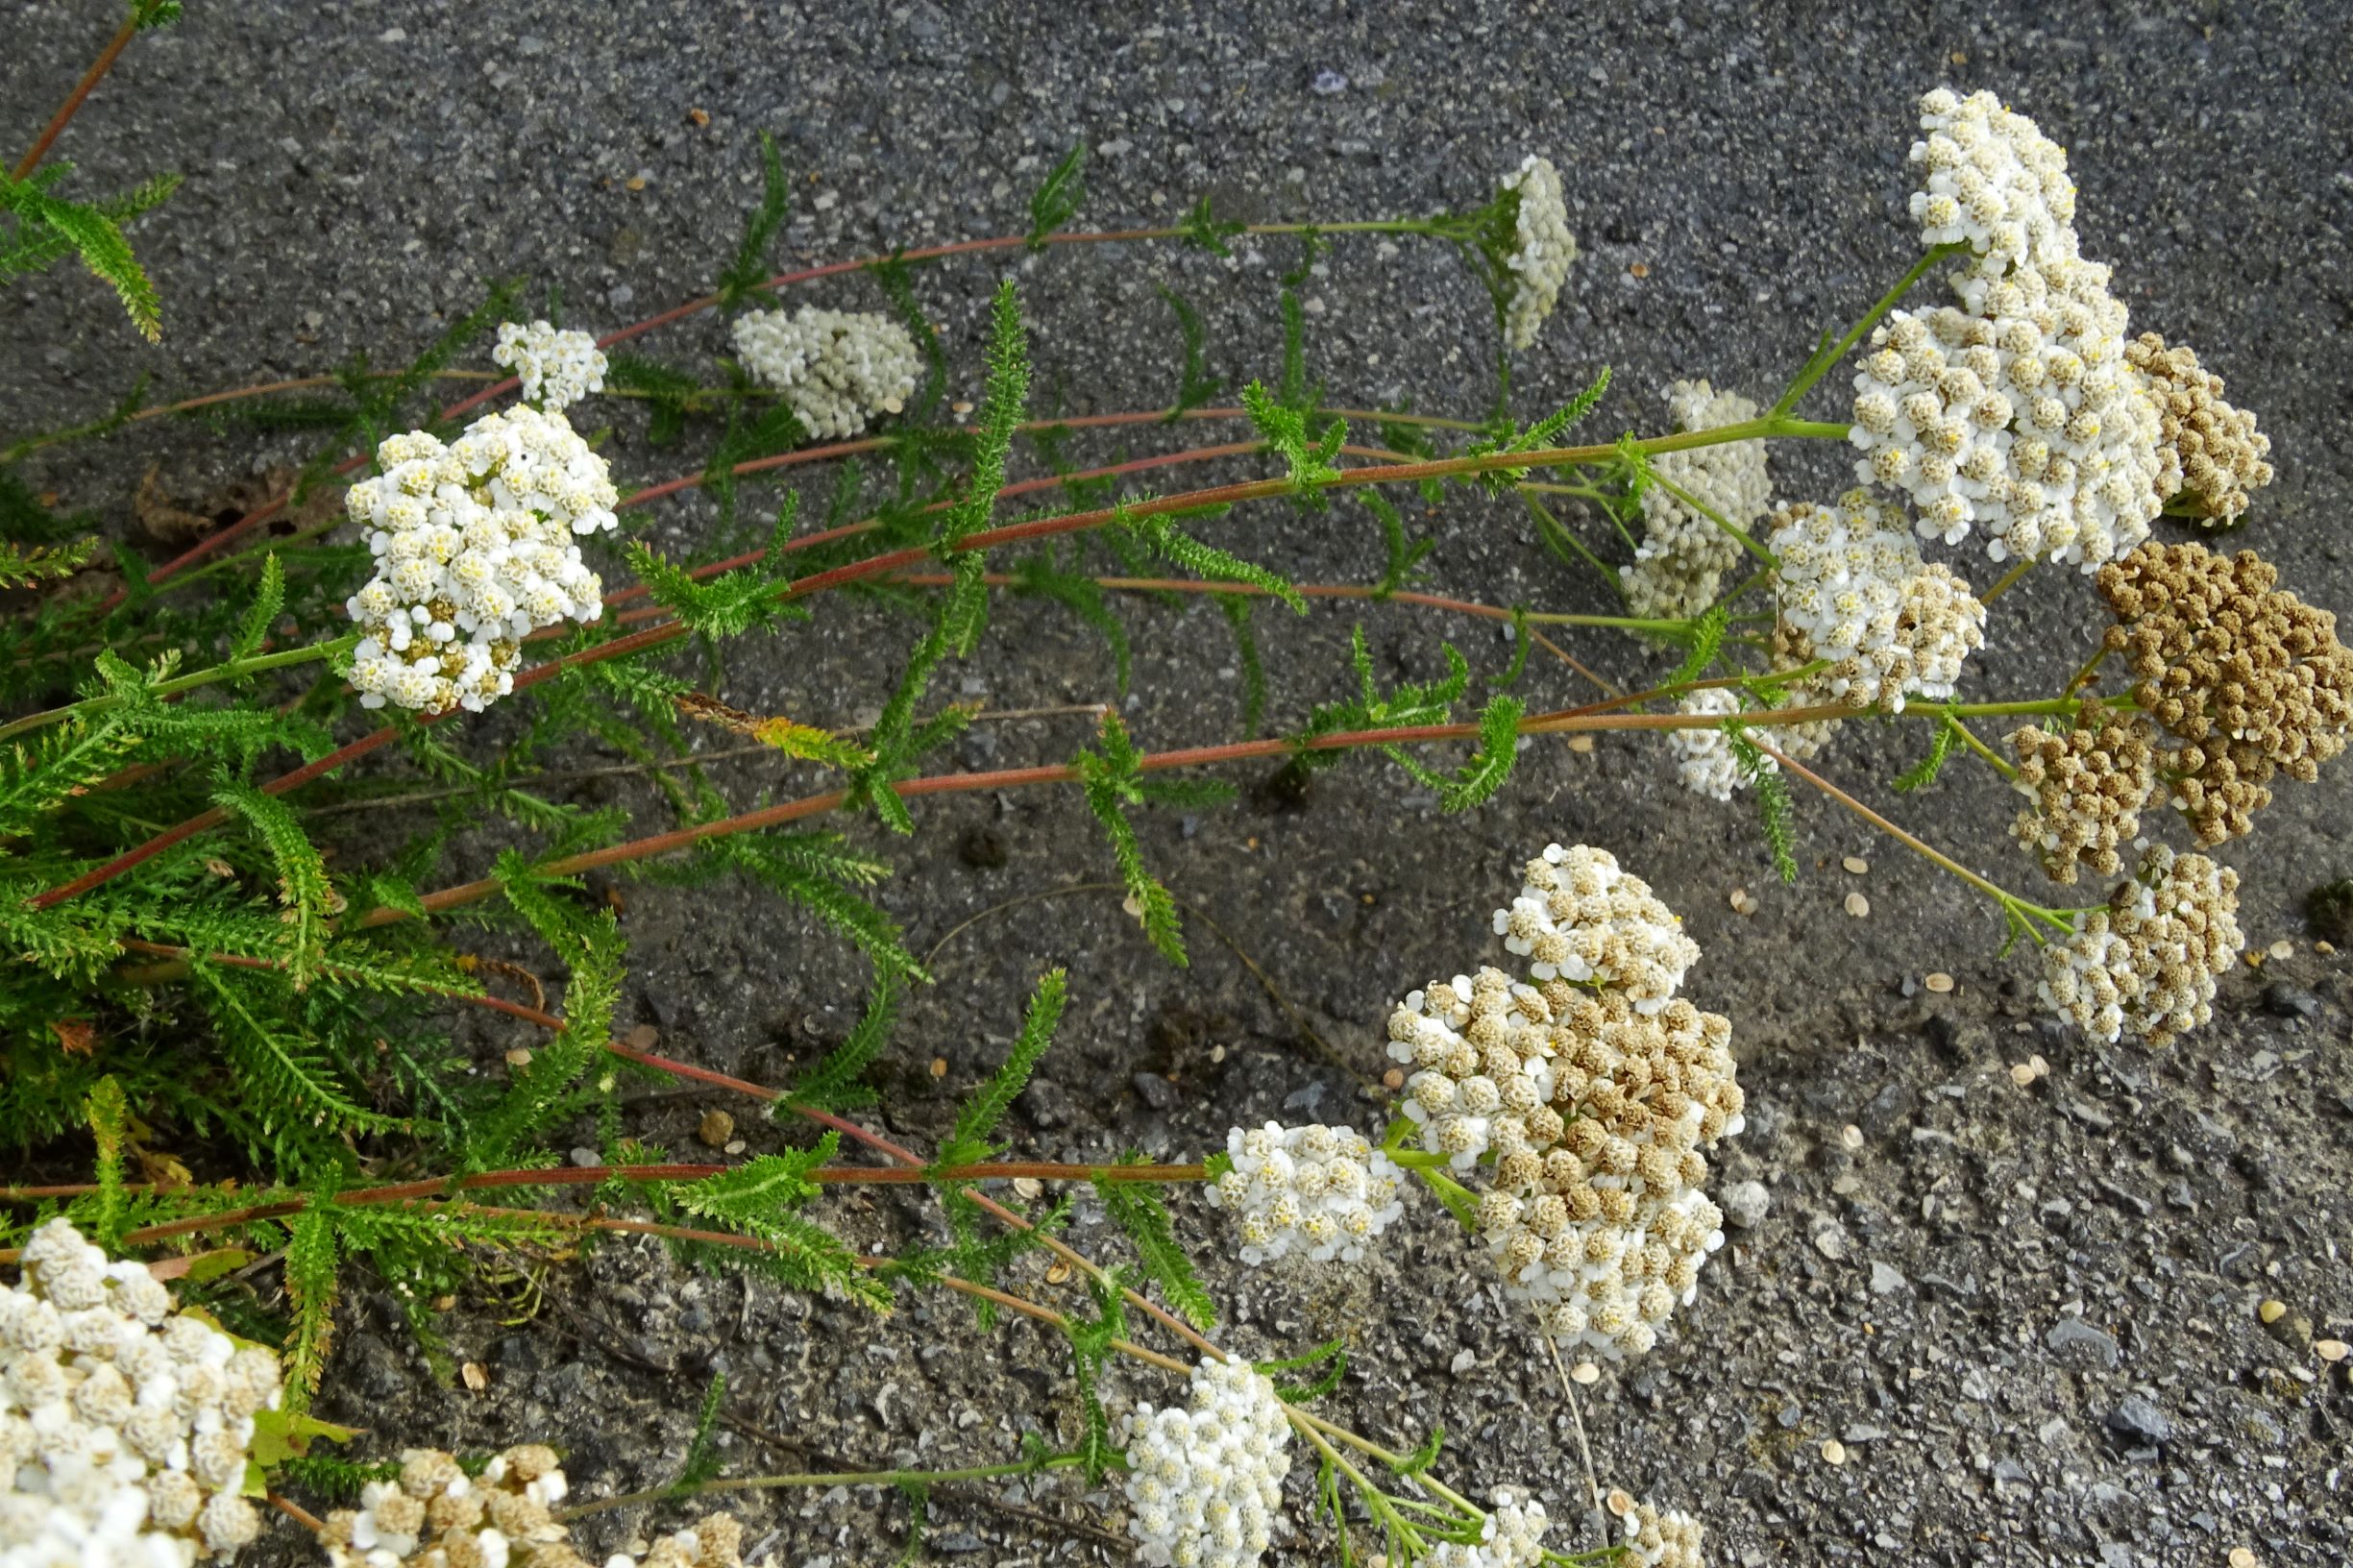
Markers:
2009,580
1819,365
2020,910
1969,737
2091,666
230,670
1376,1500
845,1478
1738,533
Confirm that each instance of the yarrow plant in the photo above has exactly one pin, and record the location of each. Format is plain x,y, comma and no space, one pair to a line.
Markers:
189,961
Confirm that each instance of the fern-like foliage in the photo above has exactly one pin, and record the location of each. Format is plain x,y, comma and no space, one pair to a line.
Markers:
45,226
1777,814
1143,1214
748,269
1544,434
1284,427
1159,532
1114,780
1411,704
759,1200
1056,200
303,887
977,1118
838,1081
1923,774
1195,385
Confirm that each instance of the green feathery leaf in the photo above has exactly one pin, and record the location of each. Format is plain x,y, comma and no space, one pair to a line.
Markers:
1923,774
1285,429
1112,780
1196,385
269,597
1140,1212
303,887
1536,437
1237,609
109,1119
838,1082
1057,200
745,274
1775,810
313,1272
977,1119
1499,747
1205,228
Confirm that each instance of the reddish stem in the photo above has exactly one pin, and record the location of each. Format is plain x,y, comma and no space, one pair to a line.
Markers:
66,111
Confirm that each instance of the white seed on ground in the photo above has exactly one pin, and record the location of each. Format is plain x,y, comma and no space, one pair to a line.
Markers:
1940,982
1856,863
1857,905
1834,1451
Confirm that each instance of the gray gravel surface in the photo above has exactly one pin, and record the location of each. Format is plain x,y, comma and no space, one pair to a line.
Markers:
2027,1314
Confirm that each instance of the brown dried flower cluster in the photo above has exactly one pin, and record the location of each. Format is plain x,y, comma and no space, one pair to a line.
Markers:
2085,789
2222,453
436,1516
2249,676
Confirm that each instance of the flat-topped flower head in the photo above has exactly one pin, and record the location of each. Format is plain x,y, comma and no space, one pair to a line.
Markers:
835,368
476,547
1480,1053
1579,916
2085,788
1853,588
2146,964
1314,1191
2221,455
2250,680
2028,428
557,369
1678,567
1204,1482
1989,178
124,1424
1544,249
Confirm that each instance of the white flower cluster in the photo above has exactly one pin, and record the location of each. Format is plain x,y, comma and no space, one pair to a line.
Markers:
2146,964
1581,918
1206,1483
475,550
124,1426
557,369
1482,1068
1323,1191
1679,569
1513,1537
1993,180
1540,264
2018,414
434,1515
834,367
1704,758
1656,1538
1853,586
1595,1090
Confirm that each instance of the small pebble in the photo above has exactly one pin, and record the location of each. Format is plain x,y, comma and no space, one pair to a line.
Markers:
1463,1361
1857,905
2324,948
1940,982
587,1159
476,1379
1832,1245
1833,1452
1856,863
716,1128
1745,1204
